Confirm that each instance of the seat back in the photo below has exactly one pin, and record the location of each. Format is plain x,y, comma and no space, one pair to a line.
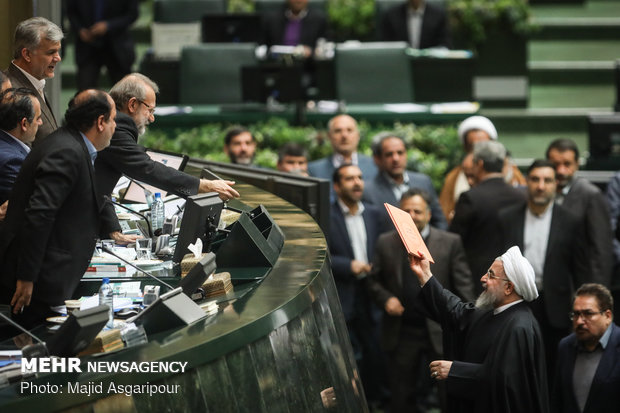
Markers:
185,11
378,72
211,72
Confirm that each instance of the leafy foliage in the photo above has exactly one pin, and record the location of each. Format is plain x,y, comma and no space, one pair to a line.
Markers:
352,19
472,19
433,150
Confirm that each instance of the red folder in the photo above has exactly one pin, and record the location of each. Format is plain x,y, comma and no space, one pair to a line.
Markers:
408,232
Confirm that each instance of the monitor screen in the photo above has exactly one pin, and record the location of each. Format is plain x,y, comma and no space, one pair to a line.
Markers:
198,274
135,190
283,83
200,220
78,331
307,193
231,28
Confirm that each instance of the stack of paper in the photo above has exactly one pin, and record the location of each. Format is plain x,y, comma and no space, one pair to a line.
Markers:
210,307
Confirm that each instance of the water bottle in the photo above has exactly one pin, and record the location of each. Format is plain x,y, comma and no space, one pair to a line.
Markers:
157,212
106,296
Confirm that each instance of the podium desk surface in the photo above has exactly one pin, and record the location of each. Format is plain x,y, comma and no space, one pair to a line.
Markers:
277,348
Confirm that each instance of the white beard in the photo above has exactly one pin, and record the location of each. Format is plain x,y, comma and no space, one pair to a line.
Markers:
485,300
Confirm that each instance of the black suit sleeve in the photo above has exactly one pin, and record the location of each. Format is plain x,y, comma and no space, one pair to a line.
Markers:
128,158
376,280
463,212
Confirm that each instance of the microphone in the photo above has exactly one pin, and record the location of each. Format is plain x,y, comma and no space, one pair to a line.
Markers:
148,195
106,249
31,350
148,224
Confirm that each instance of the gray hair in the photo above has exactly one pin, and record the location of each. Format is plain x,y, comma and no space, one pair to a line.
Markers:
330,122
28,34
379,138
131,86
492,155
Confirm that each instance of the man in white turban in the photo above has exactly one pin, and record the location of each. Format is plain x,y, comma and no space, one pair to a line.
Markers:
494,350
471,130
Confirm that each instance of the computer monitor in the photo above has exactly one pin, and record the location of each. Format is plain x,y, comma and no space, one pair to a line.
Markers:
231,28
78,331
604,141
135,190
307,193
283,83
200,220
198,274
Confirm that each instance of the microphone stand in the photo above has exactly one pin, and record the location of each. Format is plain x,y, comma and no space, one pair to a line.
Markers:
148,224
106,249
31,350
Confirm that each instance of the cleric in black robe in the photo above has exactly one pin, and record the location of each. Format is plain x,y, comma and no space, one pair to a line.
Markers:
495,345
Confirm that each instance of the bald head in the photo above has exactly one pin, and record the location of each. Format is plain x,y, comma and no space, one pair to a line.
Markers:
343,135
92,112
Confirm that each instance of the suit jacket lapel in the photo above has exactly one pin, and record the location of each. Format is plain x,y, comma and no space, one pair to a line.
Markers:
520,223
46,111
9,140
385,190
555,230
342,229
609,359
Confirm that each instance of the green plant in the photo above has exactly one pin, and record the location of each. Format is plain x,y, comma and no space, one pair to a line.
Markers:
433,149
240,6
472,19
351,19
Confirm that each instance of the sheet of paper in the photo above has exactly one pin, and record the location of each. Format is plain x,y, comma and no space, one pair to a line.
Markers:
408,232
405,108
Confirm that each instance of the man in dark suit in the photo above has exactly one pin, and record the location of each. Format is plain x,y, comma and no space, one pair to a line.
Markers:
295,24
421,24
344,137
476,212
53,217
407,336
135,99
551,239
587,377
34,62
20,118
353,231
587,202
393,178
102,38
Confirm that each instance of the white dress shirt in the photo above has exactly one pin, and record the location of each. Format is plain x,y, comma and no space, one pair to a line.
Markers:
357,231
535,240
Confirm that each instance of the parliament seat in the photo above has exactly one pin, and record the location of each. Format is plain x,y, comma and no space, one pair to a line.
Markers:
185,11
378,72
262,6
211,73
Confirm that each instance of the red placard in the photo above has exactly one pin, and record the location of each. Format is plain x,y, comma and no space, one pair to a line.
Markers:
409,234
